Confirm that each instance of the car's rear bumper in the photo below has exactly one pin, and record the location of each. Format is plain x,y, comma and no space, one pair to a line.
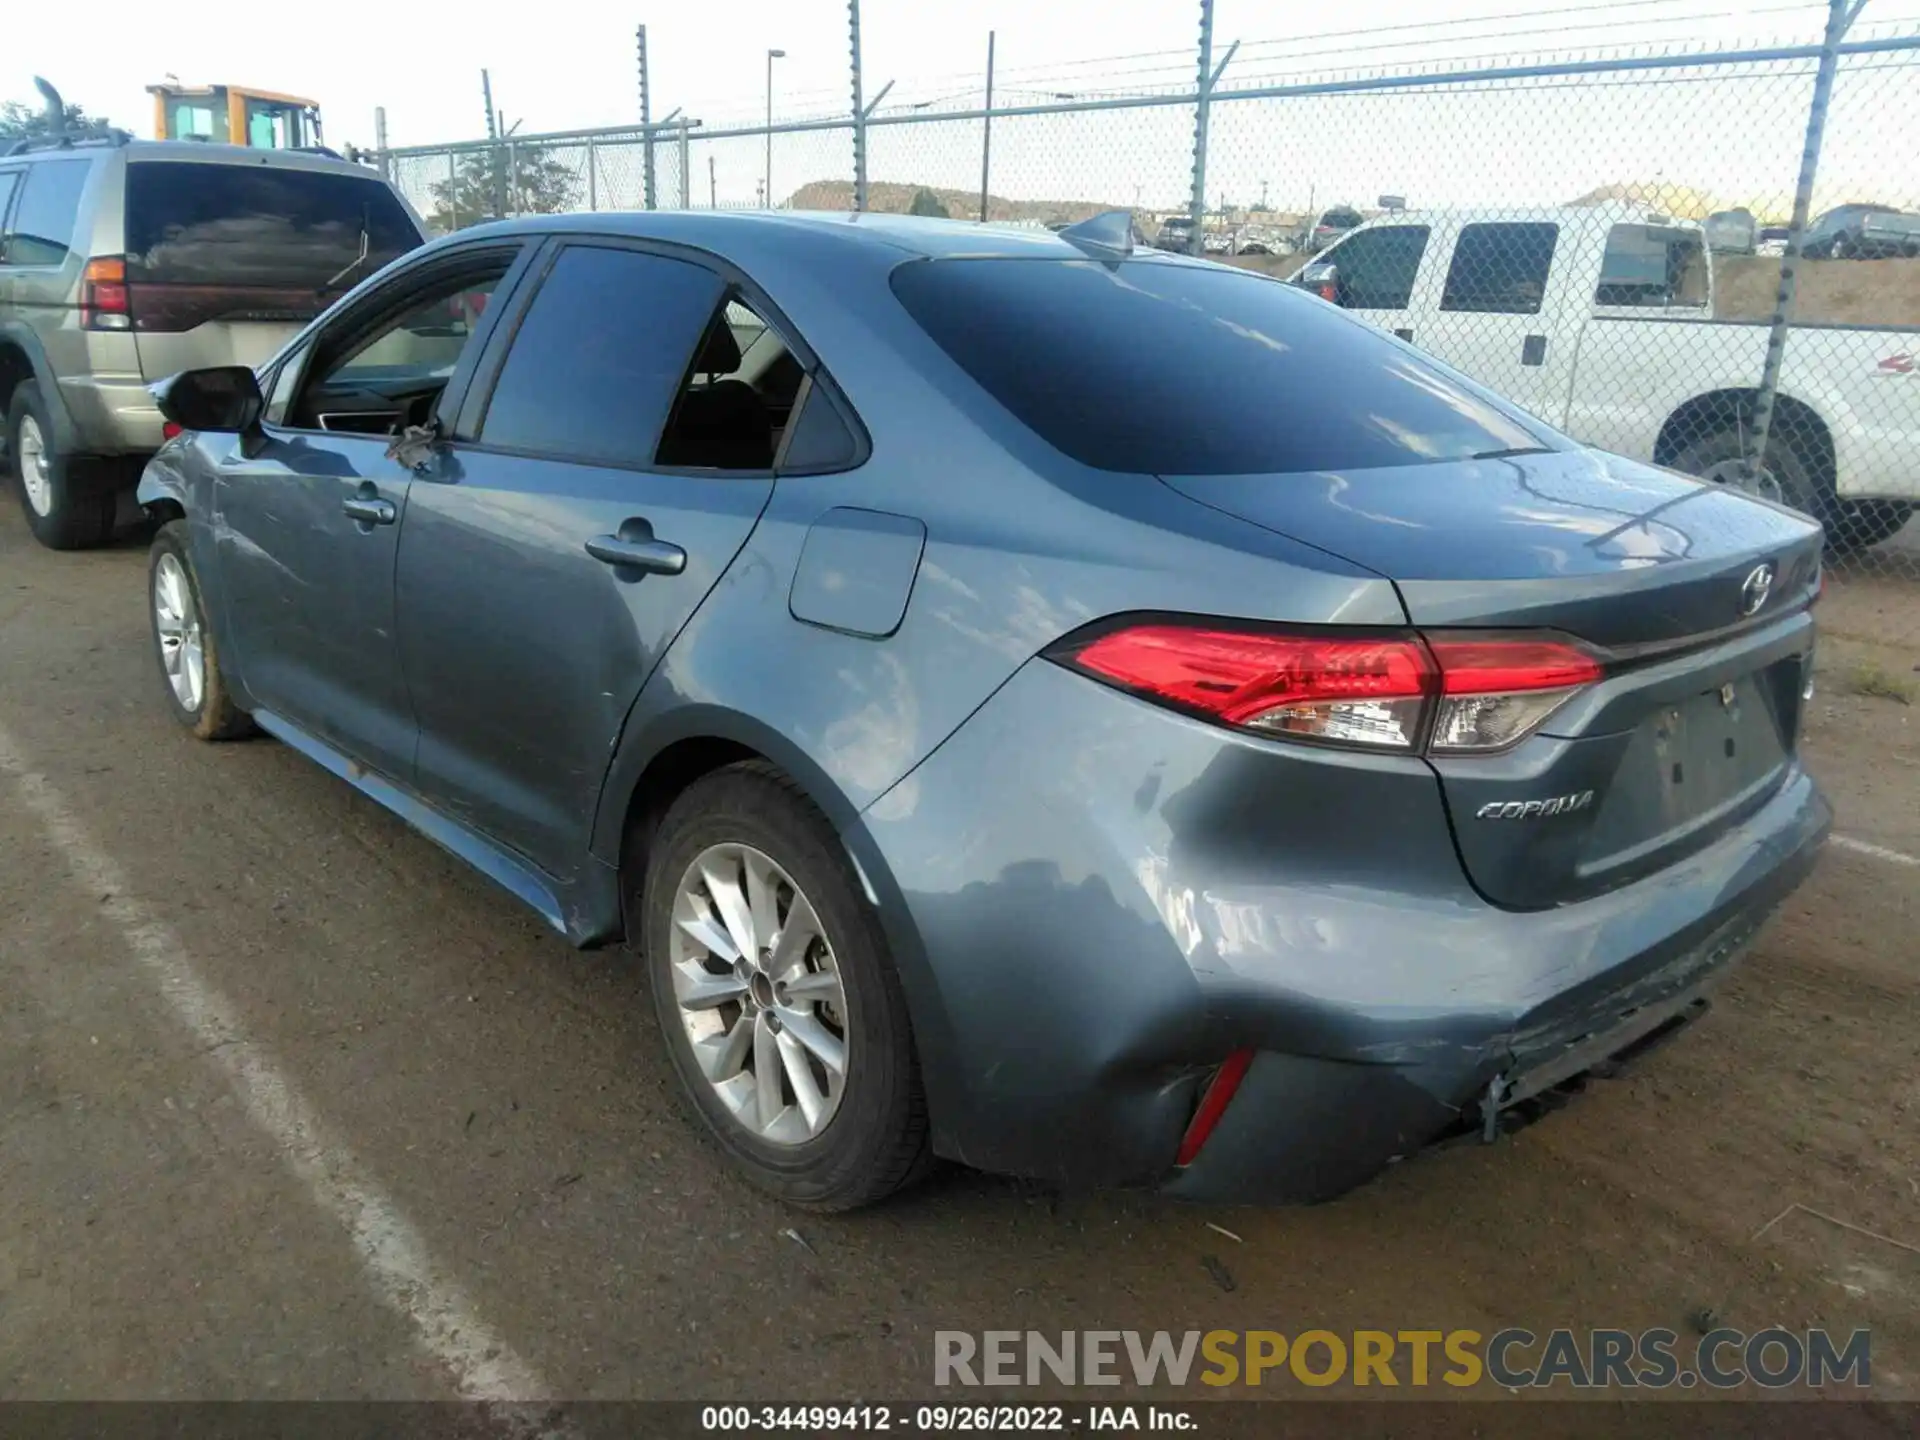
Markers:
1095,902
112,415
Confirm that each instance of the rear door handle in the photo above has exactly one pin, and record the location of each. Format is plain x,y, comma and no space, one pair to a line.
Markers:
635,552
1533,350
370,509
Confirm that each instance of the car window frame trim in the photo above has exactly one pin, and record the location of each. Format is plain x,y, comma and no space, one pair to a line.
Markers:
415,275
465,434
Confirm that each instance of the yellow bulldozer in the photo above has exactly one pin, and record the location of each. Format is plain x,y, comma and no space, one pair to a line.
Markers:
235,115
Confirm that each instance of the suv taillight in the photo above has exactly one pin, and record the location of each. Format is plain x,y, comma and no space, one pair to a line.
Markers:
103,295
1442,694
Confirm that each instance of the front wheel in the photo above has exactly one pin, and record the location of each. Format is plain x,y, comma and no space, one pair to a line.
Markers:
183,642
780,1006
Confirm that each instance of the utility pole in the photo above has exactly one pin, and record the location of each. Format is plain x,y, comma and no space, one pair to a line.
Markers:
986,133
772,55
859,110
1840,17
646,120
713,187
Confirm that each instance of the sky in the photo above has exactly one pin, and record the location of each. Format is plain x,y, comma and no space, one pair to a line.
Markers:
573,67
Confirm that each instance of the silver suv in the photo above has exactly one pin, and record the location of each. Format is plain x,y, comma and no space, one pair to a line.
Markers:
125,261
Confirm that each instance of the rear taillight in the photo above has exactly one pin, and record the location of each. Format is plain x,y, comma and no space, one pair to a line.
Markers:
1447,694
103,295
170,431
1495,691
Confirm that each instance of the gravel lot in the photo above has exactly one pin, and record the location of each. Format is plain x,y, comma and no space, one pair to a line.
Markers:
474,1128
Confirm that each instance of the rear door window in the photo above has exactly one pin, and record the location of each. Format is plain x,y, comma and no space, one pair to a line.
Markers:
1375,269
1159,367
1500,268
271,227
47,213
1650,265
601,356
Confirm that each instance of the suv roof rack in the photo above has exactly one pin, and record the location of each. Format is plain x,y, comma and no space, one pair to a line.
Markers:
326,150
31,143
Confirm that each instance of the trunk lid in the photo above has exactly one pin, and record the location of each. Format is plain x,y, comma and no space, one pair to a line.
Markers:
1698,717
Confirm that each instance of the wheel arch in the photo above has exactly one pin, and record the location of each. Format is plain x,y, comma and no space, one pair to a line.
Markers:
22,360
1795,422
660,755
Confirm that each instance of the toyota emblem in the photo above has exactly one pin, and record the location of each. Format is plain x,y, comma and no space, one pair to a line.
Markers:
1756,587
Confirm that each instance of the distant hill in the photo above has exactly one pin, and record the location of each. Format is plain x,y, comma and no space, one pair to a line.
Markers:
893,198
1684,202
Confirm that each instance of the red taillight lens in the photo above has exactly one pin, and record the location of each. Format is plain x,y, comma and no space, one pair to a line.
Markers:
168,430
1495,691
103,295
1213,1104
1356,691
1451,693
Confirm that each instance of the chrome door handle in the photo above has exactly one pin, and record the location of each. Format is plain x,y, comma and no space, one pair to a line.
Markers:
370,509
656,556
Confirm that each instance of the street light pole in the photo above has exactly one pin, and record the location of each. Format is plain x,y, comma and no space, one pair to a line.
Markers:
772,55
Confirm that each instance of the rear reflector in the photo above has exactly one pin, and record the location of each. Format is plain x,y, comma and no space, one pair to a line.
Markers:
168,430
1400,692
1213,1104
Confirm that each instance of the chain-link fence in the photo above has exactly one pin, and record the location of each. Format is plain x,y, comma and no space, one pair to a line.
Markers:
1600,238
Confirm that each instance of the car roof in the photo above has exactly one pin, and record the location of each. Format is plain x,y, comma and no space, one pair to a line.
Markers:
194,152
903,235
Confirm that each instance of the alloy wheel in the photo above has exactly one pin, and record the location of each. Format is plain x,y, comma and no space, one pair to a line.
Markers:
176,620
760,994
36,469
1763,481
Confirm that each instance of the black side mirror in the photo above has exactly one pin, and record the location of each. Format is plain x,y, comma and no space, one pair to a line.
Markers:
222,398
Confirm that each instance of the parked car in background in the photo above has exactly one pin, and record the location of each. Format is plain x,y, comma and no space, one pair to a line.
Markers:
1258,238
1268,761
1330,225
124,261
1731,232
1176,234
1862,232
1600,320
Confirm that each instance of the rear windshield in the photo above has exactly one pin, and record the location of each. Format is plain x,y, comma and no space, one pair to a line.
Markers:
1182,370
241,225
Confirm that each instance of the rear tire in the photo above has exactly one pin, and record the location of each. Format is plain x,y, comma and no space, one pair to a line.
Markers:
871,1139
191,676
62,513
1851,525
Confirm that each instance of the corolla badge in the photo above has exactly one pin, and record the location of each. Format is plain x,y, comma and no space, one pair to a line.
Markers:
1534,809
1756,587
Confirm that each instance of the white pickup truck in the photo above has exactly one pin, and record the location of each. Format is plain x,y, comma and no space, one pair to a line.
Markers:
1599,320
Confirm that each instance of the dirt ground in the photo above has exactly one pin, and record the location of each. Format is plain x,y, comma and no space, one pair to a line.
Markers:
512,1097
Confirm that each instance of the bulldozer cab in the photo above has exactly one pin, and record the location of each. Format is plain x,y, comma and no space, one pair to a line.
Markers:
235,115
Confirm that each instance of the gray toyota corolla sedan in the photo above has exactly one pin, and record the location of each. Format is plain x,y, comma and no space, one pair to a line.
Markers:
1093,715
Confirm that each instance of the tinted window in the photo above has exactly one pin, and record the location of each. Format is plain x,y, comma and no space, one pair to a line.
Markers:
821,439
1647,265
1376,268
600,356
49,208
241,225
1176,369
1500,268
